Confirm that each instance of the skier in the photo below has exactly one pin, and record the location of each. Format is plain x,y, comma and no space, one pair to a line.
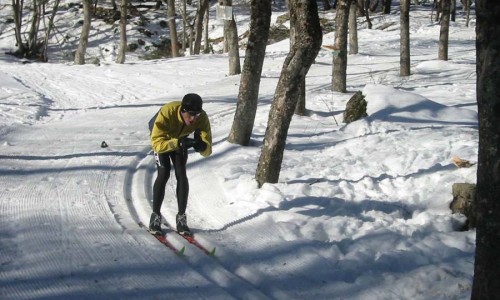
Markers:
170,129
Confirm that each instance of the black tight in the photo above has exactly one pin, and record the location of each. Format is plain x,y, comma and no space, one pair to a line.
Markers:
163,167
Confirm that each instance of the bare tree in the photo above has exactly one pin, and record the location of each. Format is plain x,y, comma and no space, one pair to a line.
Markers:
17,8
297,63
404,59
445,29
123,32
48,30
339,72
244,118
467,10
202,11
387,6
231,37
206,45
30,45
326,5
300,108
172,27
353,28
486,283
84,36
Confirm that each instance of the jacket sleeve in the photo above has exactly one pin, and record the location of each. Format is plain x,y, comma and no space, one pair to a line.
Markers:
206,136
161,137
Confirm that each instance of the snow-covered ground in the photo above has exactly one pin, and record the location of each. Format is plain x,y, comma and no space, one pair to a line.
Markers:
361,211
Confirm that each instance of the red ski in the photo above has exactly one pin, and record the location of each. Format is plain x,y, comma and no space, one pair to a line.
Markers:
162,238
192,240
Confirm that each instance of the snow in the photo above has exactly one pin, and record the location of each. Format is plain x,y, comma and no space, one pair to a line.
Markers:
361,211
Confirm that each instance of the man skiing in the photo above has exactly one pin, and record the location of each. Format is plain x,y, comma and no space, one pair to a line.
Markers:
170,129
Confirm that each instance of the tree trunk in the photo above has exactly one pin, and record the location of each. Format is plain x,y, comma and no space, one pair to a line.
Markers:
453,12
353,28
203,7
84,37
326,5
246,109
35,25
231,36
17,8
300,108
366,8
120,59
486,283
404,59
304,16
206,45
339,72
172,27
387,6
467,19
48,29
445,29
184,19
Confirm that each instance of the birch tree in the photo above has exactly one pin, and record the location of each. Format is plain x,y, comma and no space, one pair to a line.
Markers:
231,39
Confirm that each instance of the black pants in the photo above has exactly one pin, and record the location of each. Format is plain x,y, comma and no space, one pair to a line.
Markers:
163,166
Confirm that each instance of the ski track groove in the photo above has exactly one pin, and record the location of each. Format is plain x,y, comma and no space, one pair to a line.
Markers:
140,190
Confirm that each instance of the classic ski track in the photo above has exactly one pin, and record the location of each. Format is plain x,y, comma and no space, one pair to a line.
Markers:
206,187
69,253
209,267
80,229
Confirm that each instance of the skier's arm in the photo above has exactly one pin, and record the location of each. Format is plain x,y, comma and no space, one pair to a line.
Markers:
205,135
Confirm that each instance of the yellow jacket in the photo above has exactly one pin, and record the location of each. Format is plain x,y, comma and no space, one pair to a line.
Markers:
169,127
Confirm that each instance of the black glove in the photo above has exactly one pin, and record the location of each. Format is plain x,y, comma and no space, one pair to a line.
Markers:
185,143
199,144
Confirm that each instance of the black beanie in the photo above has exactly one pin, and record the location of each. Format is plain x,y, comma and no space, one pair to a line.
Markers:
192,102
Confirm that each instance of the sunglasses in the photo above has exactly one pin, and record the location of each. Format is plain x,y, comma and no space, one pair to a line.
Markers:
193,113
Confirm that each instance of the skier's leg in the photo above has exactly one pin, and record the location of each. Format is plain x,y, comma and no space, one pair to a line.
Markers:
179,160
163,174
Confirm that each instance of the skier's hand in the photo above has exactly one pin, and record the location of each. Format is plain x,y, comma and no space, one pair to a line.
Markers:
185,143
199,145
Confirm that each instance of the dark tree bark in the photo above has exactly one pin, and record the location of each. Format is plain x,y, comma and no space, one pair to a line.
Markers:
326,5
339,72
486,283
404,60
300,108
199,26
246,109
17,8
387,6
305,49
445,29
